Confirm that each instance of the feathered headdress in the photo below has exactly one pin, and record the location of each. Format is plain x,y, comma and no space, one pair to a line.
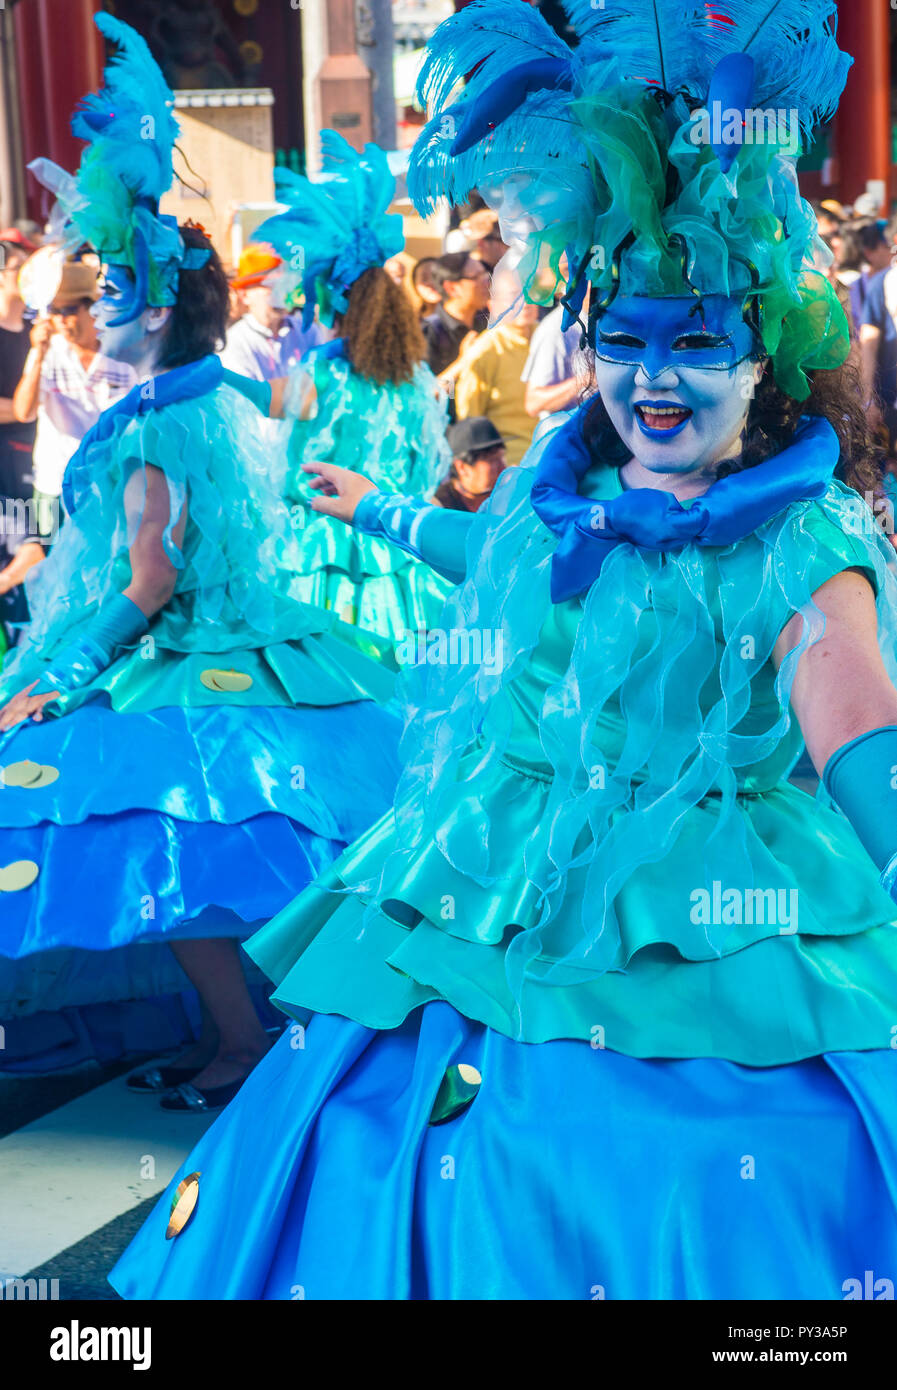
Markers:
660,149
335,227
113,200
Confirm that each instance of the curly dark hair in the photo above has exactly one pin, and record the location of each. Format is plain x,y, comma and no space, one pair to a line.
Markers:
198,322
771,422
384,339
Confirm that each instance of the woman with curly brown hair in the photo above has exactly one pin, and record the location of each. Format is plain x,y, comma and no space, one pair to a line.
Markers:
368,400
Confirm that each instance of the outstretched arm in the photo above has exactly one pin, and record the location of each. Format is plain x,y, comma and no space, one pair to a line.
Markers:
841,689
847,710
432,534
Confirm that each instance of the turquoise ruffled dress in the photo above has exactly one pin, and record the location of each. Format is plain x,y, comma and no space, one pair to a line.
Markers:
210,771
395,435
604,1008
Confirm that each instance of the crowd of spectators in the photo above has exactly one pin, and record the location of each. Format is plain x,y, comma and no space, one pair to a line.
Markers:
864,274
503,363
54,385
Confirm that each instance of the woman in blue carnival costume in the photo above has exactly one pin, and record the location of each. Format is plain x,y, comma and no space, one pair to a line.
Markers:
365,400
605,1008
218,742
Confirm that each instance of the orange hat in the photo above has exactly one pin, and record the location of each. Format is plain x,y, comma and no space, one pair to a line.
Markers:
255,264
17,238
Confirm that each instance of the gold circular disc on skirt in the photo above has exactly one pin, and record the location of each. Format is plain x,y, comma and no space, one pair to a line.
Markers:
183,1204
29,776
458,1090
47,775
19,875
226,680
22,774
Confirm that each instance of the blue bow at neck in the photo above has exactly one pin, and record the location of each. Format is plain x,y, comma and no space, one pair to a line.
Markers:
731,509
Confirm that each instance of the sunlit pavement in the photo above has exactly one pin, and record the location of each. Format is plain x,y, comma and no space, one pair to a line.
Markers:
81,1161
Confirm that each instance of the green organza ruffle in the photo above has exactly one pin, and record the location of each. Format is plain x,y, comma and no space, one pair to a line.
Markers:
763,993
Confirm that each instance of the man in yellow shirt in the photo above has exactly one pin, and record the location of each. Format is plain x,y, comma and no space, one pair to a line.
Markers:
489,380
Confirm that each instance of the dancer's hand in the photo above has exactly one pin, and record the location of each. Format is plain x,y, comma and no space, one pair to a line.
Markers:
341,488
25,706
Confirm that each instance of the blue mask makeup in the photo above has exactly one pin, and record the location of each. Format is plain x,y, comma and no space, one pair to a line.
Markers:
710,334
122,335
117,285
676,377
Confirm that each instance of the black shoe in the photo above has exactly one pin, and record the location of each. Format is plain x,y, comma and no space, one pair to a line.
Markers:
187,1097
155,1080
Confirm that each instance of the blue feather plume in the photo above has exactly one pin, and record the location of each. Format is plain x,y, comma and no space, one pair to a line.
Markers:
493,105
336,226
677,46
731,88
674,46
797,60
130,122
489,36
543,138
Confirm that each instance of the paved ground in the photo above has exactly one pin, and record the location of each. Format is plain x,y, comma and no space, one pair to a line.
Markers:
81,1161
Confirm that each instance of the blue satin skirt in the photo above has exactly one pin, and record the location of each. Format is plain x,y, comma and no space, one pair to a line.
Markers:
184,822
573,1174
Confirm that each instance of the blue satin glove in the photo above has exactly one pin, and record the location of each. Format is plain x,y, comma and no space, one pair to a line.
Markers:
861,777
432,534
117,623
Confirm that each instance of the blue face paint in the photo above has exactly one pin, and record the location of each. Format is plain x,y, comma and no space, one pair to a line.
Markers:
658,333
126,342
676,377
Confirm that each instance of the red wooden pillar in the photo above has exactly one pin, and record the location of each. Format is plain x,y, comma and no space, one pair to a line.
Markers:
864,116
344,82
60,60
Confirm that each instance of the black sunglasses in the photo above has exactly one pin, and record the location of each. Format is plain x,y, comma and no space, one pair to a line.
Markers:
68,311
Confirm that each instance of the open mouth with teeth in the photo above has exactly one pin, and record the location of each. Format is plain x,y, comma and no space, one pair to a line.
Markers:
662,417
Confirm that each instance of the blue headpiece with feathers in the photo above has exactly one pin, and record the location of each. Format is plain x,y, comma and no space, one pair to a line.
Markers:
113,200
335,227
658,151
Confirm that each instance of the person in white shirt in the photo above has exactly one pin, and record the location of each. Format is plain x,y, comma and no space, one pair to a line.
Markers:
266,341
66,385
555,366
